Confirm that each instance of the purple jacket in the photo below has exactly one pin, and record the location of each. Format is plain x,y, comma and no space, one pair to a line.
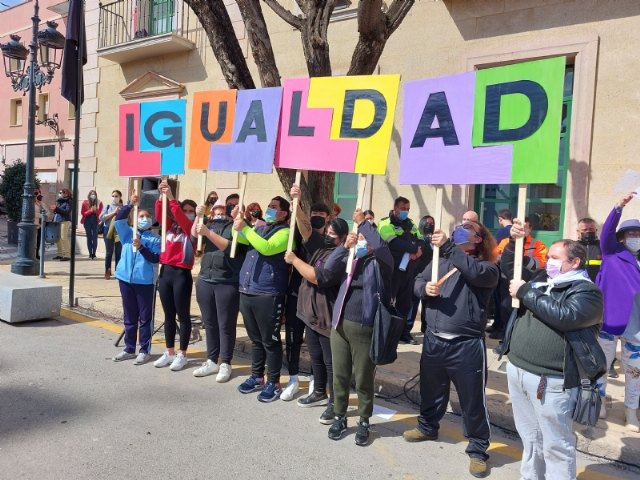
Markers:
619,277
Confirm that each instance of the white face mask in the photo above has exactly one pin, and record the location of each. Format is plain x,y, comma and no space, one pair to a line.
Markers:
632,244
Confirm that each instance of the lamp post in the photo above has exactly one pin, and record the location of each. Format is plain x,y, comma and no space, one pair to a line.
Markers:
50,42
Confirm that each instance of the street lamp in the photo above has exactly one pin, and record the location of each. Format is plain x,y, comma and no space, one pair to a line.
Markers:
50,42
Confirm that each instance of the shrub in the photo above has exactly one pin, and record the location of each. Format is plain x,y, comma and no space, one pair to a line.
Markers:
12,187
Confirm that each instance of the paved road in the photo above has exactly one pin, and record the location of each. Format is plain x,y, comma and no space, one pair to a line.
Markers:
69,412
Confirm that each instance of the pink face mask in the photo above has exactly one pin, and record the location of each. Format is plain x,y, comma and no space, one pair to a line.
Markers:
553,267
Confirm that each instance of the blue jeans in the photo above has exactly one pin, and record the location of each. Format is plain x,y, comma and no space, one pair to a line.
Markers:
110,245
91,229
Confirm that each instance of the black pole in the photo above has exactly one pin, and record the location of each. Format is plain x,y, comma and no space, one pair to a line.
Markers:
26,263
76,161
43,229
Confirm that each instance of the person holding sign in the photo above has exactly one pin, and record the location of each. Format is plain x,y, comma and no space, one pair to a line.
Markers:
217,290
619,279
352,321
560,307
211,200
263,285
175,282
136,274
454,348
406,246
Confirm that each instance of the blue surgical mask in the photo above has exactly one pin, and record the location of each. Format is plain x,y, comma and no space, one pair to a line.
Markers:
270,215
461,235
144,223
191,216
403,215
361,248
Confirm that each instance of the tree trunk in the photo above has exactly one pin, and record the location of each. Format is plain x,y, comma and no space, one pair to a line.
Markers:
215,20
314,37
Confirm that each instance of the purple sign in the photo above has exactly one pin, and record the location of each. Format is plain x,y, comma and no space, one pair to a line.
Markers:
255,130
436,136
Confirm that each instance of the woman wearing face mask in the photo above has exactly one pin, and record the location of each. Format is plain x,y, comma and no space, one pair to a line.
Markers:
90,211
217,291
135,273
619,280
111,245
315,300
211,200
62,215
453,348
370,217
253,215
352,322
175,282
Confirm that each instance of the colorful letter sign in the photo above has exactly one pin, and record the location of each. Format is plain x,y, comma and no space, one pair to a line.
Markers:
255,131
212,122
152,137
337,124
499,125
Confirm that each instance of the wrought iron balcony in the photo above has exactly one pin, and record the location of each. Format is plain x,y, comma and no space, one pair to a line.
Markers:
136,29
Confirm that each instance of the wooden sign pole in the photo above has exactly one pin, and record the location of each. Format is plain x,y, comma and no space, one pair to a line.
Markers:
519,252
135,211
163,226
437,218
294,212
243,186
200,220
362,184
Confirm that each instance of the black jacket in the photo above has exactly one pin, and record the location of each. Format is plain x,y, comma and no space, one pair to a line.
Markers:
62,212
216,265
336,263
461,307
573,309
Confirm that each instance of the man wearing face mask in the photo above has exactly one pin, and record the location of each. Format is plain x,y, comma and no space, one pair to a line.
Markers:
619,279
454,348
231,202
588,238
406,246
263,287
560,308
175,282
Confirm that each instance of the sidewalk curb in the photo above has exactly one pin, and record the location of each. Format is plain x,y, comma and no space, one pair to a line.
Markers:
389,385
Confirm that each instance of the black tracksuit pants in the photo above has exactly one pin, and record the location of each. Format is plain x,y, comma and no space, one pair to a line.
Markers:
294,334
175,286
320,352
261,315
219,304
463,362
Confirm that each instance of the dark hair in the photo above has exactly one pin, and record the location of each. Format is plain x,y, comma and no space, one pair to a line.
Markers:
586,220
66,191
400,200
369,212
284,205
188,202
232,196
423,222
119,193
320,207
528,220
505,213
574,250
487,249
340,226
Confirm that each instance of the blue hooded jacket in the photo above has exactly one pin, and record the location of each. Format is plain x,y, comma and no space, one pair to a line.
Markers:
138,266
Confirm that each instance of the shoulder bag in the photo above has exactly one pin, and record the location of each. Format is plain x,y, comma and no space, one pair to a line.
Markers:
387,328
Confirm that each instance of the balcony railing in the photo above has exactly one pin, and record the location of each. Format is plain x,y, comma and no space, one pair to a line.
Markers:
131,23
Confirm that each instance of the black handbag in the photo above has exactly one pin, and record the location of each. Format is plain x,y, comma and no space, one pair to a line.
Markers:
387,329
589,402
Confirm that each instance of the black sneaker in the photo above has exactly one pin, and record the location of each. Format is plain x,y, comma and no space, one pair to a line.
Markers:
314,399
362,433
408,339
327,416
338,428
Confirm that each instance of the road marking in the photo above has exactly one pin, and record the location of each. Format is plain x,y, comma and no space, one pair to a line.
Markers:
453,433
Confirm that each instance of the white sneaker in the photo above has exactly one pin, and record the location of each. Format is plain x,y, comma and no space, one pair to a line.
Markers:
164,360
123,356
207,368
179,362
224,374
292,388
141,358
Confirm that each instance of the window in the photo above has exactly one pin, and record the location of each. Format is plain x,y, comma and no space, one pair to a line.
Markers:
161,18
345,194
44,151
545,202
15,112
43,107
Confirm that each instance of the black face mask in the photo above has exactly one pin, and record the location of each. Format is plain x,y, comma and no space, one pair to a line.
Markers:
428,229
212,201
588,237
39,198
229,209
329,241
317,222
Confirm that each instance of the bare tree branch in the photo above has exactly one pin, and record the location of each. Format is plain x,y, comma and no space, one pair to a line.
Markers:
294,20
396,14
260,42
